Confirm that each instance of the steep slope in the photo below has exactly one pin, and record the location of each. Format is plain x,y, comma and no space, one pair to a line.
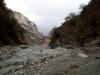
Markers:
10,31
16,28
30,30
89,25
79,29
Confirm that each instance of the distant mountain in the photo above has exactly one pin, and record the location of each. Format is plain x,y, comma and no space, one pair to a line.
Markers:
81,29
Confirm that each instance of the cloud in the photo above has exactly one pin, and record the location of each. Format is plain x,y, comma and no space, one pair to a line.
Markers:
46,13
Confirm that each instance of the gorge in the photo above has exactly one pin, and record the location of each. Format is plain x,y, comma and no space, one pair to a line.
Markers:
71,49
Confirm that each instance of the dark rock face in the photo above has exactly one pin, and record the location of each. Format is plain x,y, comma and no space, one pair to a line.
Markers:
80,29
89,25
15,28
10,30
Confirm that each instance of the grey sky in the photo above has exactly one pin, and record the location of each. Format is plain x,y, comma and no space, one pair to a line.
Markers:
46,13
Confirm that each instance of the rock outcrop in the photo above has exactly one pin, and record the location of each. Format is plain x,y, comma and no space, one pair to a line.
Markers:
16,28
31,32
81,29
10,31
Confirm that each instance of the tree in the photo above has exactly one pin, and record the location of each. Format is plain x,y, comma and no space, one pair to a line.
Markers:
70,16
82,6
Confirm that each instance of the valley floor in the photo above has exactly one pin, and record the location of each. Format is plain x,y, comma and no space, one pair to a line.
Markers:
41,60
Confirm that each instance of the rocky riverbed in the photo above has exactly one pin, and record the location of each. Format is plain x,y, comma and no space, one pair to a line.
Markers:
41,60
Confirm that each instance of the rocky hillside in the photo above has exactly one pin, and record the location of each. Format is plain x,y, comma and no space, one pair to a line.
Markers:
31,32
10,31
81,29
16,28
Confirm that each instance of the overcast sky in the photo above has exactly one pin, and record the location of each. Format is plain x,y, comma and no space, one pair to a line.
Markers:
46,13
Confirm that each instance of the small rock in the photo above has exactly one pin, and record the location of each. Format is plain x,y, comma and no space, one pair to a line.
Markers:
83,55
